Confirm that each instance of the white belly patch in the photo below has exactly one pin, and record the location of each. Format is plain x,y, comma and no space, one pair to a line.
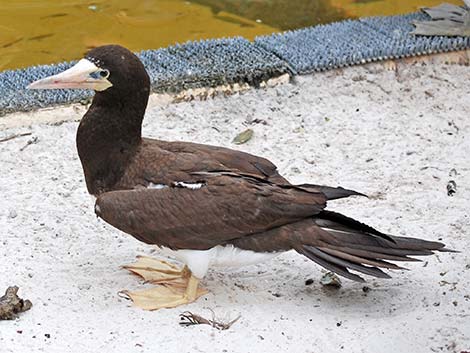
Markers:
230,256
199,261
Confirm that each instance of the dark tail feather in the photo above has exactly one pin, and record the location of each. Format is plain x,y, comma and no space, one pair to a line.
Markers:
343,243
361,260
340,270
337,222
372,254
332,193
371,271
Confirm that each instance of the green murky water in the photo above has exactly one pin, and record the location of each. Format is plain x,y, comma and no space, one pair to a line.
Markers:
39,32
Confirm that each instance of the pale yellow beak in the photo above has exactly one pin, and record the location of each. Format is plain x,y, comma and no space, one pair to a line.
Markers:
84,75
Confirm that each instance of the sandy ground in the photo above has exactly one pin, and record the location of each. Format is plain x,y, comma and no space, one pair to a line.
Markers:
395,135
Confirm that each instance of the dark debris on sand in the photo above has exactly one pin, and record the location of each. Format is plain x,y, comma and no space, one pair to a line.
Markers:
11,305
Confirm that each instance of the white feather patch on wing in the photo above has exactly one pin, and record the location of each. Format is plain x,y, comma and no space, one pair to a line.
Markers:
179,184
156,186
192,186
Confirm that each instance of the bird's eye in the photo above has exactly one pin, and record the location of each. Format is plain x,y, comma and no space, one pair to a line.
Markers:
104,73
100,74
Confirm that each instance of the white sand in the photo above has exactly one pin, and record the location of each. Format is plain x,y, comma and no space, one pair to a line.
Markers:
393,135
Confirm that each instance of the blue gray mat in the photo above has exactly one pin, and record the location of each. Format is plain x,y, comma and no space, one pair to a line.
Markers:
210,63
235,60
207,63
356,42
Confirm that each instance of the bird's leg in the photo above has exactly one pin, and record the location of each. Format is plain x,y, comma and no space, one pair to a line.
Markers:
191,292
164,296
159,271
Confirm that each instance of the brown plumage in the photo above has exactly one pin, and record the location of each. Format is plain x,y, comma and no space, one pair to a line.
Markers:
145,187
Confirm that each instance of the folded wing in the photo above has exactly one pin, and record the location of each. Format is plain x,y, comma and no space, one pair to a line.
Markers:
224,207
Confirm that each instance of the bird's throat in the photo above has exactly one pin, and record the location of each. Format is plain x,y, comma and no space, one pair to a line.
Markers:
107,138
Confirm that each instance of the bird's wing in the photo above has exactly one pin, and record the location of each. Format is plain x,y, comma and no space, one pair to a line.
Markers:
202,215
221,157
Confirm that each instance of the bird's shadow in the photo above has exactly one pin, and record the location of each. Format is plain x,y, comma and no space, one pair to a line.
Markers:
282,290
287,282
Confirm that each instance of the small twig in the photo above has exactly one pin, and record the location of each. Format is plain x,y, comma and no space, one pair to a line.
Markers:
190,319
15,136
31,141
443,80
378,85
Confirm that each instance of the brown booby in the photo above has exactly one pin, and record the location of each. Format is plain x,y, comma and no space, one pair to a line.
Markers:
205,205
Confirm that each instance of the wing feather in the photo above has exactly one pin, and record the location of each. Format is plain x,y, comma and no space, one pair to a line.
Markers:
225,208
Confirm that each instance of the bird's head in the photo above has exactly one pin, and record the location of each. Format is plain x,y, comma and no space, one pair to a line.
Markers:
108,68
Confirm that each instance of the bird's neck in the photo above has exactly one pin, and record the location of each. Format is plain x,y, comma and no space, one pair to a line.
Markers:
107,138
